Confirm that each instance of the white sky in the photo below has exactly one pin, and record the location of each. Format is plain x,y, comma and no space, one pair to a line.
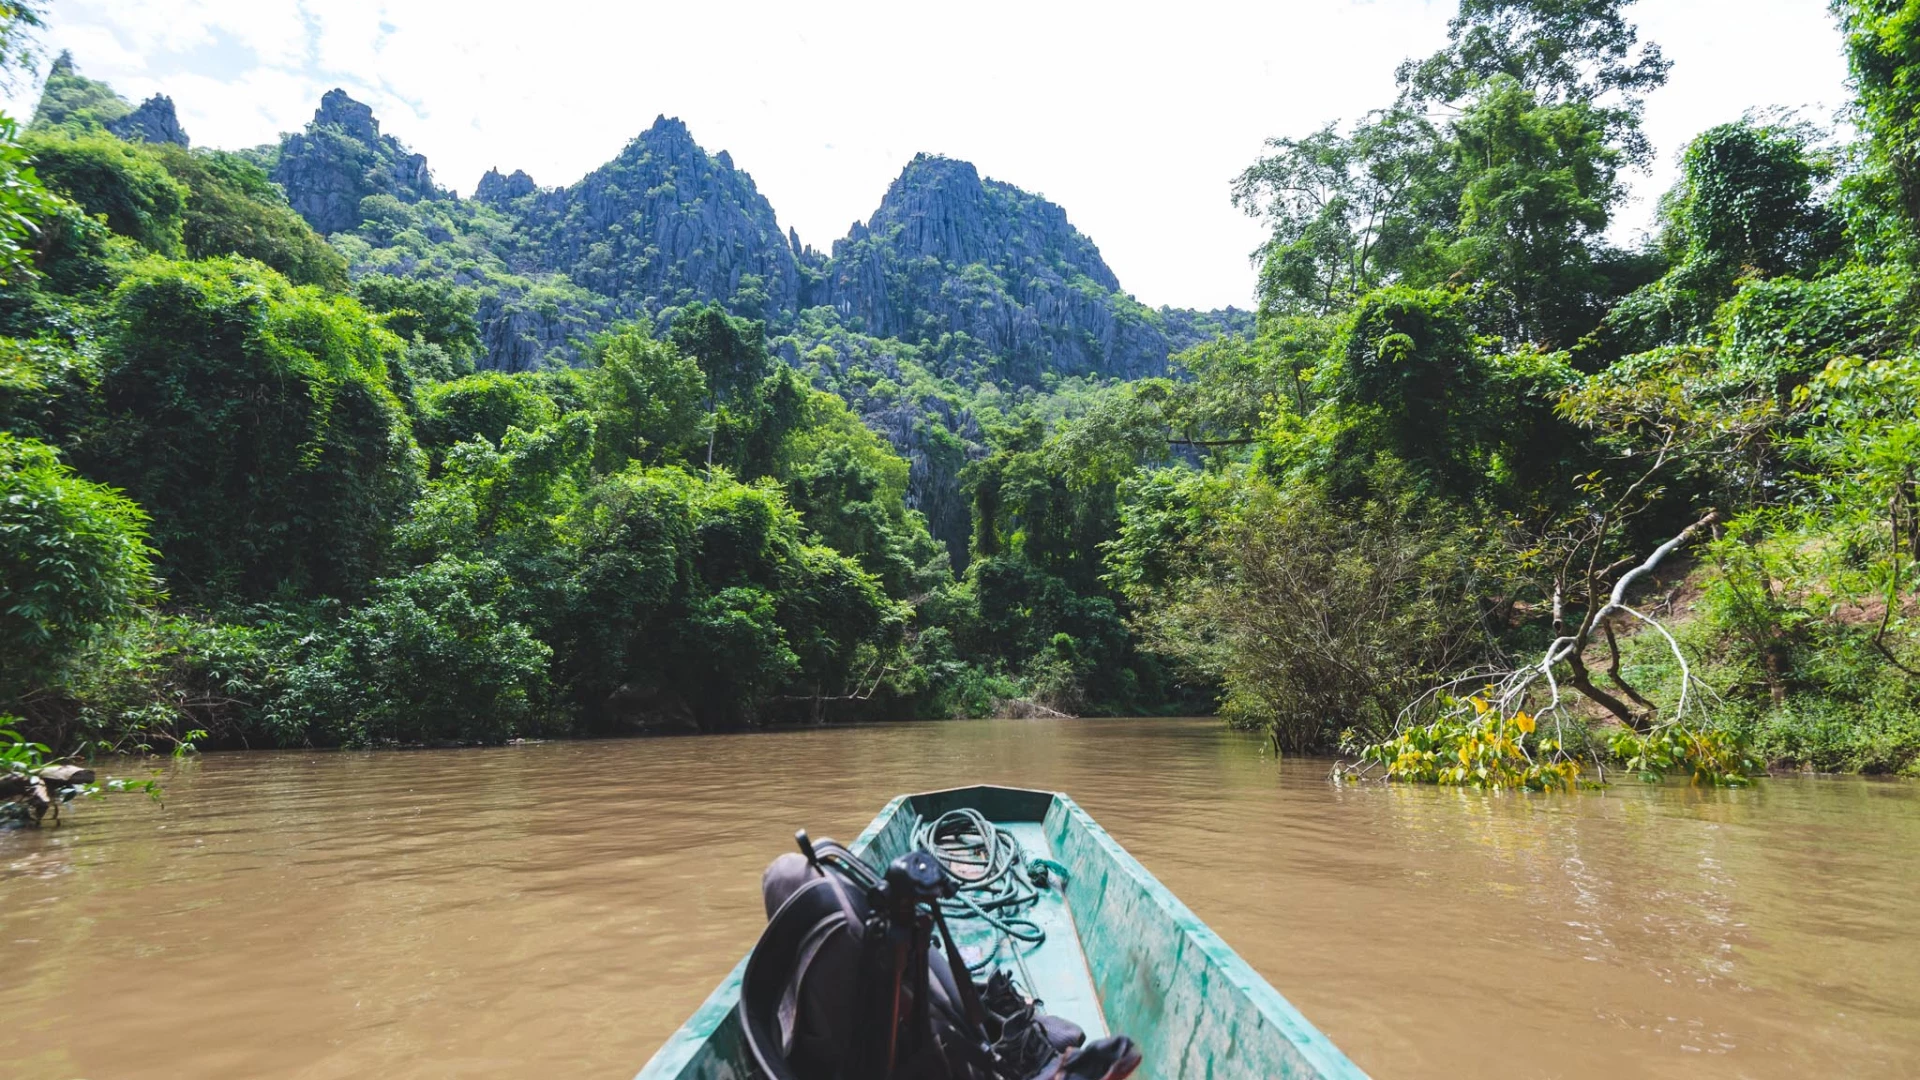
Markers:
1134,118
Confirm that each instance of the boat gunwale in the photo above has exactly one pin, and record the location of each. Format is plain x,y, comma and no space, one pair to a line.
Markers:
1328,1061
1321,1055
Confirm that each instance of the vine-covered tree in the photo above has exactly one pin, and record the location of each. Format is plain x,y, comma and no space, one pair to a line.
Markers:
257,422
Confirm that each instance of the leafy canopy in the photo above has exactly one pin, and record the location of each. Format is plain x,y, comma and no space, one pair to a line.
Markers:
73,561
256,421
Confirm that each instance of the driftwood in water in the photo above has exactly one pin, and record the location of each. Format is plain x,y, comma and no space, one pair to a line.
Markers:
40,792
66,775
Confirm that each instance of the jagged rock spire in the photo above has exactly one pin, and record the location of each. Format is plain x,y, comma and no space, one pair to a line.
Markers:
341,159
154,121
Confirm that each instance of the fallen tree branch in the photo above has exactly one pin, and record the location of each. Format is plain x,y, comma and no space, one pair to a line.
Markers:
1511,692
1613,669
1618,598
32,794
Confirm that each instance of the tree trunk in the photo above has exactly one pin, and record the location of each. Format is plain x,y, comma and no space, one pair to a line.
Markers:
1582,680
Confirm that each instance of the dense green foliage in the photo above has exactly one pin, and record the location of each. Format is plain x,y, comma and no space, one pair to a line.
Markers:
257,422
426,312
1881,39
359,540
120,182
177,202
73,561
69,99
23,203
232,208
1508,414
458,474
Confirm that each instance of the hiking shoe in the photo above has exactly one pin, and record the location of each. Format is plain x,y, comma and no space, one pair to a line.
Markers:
1108,1059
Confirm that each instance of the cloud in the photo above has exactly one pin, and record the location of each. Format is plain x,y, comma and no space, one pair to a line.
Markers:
1134,117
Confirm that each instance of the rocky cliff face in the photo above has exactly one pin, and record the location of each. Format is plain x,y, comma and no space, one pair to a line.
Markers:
662,224
948,253
931,425
997,276
521,329
1186,327
154,121
496,189
341,159
939,207
71,100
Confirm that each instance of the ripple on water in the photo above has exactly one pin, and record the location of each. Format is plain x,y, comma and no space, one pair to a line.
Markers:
560,908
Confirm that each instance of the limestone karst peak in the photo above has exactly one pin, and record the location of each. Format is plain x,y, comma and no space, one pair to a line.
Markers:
155,121
496,187
341,159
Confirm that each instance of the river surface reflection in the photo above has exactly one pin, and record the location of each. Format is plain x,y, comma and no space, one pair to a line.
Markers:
559,909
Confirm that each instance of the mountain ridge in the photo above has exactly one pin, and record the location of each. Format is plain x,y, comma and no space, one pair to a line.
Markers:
947,256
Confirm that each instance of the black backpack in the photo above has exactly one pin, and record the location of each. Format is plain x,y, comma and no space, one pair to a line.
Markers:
844,984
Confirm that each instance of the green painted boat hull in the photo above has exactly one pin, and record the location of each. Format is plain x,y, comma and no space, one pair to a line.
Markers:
1123,955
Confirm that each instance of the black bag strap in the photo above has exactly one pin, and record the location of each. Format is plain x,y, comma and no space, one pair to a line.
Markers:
841,897
775,964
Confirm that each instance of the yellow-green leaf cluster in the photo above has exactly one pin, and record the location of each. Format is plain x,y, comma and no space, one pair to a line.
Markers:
1476,745
1713,758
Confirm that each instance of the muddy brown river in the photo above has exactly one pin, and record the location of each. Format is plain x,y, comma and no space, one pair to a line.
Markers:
557,910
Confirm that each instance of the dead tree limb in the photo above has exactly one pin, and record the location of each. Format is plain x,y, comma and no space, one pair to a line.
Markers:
1515,690
1613,670
1571,648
